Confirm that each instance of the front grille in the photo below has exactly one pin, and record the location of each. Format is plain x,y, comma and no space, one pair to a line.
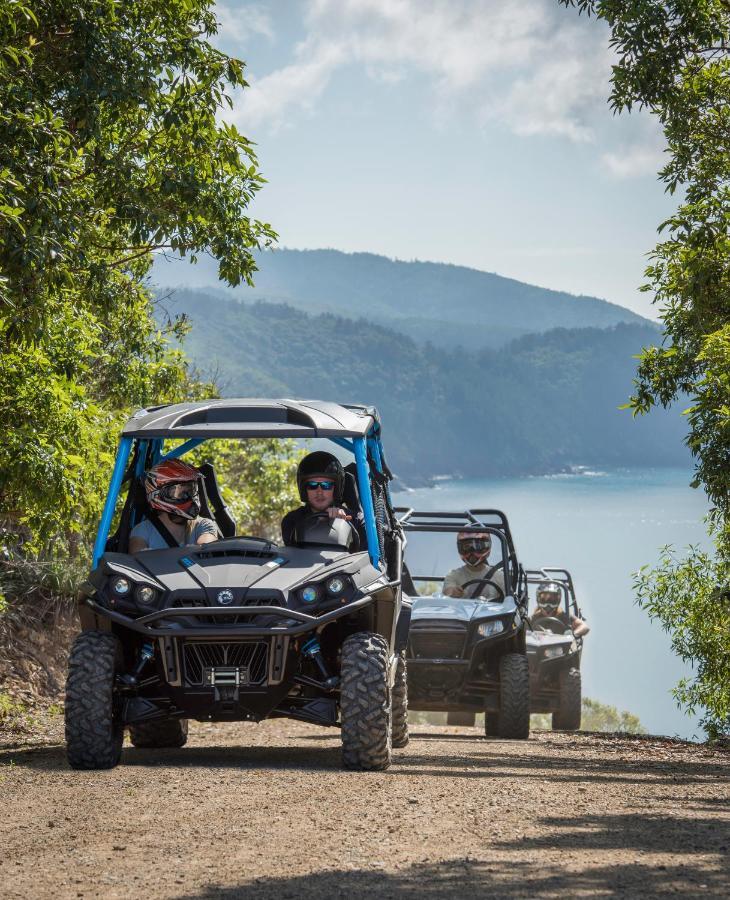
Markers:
202,603
201,655
439,642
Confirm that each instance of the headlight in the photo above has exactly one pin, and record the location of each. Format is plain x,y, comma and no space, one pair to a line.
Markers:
145,593
335,585
121,586
309,594
553,652
487,629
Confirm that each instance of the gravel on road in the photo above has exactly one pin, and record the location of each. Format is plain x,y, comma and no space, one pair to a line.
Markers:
265,811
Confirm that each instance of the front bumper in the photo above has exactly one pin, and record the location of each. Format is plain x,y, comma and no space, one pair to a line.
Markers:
157,624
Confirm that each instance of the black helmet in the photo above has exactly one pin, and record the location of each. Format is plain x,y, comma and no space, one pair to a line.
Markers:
323,464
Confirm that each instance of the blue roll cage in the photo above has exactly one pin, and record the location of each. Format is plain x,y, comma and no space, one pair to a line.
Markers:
362,448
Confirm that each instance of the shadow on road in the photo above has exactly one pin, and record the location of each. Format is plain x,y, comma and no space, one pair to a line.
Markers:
227,757
469,878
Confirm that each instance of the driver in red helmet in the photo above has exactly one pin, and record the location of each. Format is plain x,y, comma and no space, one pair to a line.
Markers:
173,495
474,548
321,482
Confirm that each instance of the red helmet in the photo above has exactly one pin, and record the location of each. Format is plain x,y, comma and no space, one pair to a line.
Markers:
172,487
474,547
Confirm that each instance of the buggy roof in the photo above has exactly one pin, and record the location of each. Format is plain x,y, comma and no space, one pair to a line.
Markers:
252,417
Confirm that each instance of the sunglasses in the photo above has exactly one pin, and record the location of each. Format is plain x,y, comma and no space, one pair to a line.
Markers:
324,485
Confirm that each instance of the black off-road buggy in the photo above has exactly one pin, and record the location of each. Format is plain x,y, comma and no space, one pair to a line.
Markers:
468,655
555,654
242,628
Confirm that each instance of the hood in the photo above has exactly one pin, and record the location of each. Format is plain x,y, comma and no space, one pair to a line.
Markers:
537,639
442,608
239,565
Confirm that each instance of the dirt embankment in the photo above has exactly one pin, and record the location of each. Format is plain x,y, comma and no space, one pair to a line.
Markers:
264,811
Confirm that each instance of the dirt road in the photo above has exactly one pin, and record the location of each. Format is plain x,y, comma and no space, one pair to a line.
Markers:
264,811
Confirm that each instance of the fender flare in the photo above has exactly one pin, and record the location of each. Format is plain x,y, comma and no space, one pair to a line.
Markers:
404,624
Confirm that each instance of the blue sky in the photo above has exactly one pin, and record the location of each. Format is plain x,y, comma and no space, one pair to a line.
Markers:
475,132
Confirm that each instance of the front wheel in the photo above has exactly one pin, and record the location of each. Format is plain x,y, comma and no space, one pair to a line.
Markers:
567,718
400,702
514,697
94,732
365,708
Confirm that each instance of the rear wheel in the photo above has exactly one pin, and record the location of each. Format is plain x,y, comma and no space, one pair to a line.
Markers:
567,718
400,702
466,719
365,708
94,732
514,697
162,733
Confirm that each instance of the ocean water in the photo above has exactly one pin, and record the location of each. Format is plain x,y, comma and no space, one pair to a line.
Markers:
602,526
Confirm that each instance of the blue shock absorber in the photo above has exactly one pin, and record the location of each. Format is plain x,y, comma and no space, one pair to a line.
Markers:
312,650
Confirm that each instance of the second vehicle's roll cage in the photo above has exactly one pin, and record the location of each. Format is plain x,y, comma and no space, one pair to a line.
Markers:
492,521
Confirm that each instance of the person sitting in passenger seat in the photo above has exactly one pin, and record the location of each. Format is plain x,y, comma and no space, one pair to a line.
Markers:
474,548
173,495
548,606
321,482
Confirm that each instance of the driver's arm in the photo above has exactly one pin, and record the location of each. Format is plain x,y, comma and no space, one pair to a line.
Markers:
579,627
451,588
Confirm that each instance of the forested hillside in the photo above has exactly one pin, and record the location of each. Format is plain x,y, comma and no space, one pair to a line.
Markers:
540,404
446,304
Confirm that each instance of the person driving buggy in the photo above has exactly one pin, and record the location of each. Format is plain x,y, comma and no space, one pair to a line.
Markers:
173,519
321,482
474,548
547,596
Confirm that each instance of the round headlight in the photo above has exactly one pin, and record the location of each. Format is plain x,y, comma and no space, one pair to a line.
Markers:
310,594
335,585
145,593
121,586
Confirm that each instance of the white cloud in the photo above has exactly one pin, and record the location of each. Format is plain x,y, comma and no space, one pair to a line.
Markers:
238,25
635,161
527,63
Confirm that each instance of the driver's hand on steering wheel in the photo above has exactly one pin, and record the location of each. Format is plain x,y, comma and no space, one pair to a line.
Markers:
454,591
336,512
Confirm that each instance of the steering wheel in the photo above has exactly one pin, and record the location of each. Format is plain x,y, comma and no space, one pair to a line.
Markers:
551,623
325,515
487,579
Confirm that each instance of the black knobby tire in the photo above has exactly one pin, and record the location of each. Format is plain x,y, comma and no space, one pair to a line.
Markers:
162,733
400,702
567,718
514,697
491,724
365,709
457,717
94,732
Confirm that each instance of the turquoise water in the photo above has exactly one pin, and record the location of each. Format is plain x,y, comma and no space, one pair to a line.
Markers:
602,526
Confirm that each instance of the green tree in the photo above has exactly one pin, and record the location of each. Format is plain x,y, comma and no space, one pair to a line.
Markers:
111,147
672,58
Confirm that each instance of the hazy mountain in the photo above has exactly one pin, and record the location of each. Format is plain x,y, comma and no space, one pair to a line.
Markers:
543,403
445,304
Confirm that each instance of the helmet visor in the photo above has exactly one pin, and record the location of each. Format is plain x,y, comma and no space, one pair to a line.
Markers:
474,545
179,492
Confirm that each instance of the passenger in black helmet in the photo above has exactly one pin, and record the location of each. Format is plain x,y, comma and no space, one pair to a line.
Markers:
547,596
321,482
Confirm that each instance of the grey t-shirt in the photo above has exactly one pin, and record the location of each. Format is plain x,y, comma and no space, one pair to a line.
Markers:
146,531
458,578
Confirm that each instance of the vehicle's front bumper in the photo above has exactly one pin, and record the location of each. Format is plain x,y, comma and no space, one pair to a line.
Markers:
304,623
